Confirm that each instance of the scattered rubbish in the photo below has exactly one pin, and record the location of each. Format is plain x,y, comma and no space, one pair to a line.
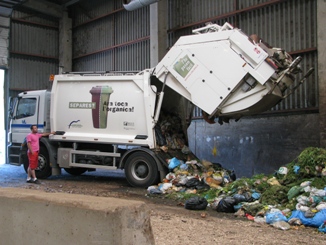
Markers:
295,195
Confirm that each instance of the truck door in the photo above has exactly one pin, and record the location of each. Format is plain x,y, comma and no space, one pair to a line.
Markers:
25,114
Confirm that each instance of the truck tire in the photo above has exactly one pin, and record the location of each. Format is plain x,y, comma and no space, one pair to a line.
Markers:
25,162
76,171
141,170
44,169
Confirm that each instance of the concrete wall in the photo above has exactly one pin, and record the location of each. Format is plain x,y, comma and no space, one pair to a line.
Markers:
36,217
255,145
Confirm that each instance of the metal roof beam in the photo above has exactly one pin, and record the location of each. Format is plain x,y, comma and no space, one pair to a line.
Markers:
45,7
71,2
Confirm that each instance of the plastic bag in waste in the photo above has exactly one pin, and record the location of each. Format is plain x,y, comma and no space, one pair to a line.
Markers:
296,169
213,182
301,207
273,181
303,200
215,203
282,225
226,205
315,221
255,195
239,198
260,220
318,192
196,203
163,187
248,197
283,170
182,180
202,186
315,199
174,162
184,166
192,183
321,206
295,221
322,227
294,191
170,176
306,183
154,190
309,214
274,217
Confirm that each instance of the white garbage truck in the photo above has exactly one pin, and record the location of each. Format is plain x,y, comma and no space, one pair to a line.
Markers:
111,120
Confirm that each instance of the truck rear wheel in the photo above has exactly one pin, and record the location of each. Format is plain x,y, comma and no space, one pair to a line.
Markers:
44,169
141,170
75,171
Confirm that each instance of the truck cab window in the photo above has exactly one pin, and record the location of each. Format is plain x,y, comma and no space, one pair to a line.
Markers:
26,108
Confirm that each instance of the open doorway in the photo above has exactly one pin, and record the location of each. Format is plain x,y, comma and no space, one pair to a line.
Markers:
2,122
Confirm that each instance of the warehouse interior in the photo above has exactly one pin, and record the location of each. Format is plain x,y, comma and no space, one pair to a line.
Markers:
40,38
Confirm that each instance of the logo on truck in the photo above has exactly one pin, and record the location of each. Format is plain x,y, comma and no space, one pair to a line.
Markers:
101,98
74,124
183,66
100,105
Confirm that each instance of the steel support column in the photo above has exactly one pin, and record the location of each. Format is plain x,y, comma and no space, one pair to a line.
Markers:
65,43
158,33
321,47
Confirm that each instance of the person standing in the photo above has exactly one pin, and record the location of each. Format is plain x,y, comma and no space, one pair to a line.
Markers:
33,145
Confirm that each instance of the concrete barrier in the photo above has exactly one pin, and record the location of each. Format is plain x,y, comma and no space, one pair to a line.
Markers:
36,217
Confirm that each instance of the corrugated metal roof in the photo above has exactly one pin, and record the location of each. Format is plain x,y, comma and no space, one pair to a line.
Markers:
6,7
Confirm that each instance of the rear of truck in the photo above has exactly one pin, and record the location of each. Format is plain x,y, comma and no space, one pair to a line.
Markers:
228,74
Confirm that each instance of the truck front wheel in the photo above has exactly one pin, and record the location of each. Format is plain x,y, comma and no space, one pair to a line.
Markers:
141,170
44,169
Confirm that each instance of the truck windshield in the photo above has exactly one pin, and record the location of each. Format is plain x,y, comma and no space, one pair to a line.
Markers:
26,107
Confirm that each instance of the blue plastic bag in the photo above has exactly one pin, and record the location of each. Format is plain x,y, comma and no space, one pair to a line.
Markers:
184,166
174,162
315,221
322,227
255,195
296,169
274,217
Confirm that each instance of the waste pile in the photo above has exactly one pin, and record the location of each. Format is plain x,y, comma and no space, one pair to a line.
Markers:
294,195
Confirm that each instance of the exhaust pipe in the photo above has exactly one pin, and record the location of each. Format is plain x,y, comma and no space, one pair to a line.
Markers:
131,5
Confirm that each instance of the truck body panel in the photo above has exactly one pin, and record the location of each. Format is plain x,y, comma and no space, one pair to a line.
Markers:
127,111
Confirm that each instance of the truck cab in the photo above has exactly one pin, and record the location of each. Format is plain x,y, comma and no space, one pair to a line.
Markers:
29,108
